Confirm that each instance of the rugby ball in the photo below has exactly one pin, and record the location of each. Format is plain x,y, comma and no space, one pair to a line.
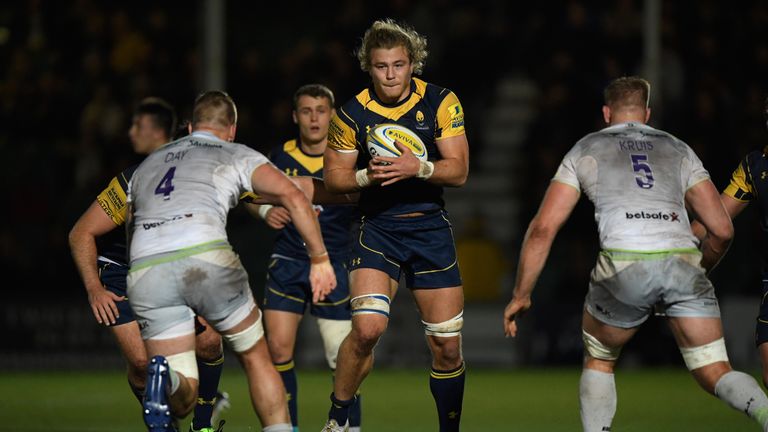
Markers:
382,137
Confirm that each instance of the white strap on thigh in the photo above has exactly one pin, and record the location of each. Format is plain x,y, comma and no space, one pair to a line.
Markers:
449,328
704,355
370,304
184,363
597,350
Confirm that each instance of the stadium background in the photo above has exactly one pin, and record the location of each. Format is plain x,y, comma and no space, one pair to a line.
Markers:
529,76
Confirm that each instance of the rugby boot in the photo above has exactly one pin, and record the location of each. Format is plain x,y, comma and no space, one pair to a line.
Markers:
220,428
333,426
222,404
157,411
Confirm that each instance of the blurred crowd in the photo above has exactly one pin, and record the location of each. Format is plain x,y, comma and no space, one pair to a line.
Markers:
72,72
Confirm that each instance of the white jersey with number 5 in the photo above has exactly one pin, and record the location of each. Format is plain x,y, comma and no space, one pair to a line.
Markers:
181,193
637,177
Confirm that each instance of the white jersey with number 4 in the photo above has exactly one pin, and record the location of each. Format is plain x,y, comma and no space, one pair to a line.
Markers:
181,193
637,177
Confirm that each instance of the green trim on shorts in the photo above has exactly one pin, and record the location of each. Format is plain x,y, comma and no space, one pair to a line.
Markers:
178,254
630,255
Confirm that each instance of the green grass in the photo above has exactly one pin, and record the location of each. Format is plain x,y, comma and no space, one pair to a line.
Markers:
539,400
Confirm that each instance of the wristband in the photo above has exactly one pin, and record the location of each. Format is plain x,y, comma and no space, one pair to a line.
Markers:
263,209
426,169
361,177
319,258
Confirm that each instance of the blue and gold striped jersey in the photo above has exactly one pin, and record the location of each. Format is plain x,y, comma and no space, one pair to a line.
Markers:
335,220
749,182
432,112
113,201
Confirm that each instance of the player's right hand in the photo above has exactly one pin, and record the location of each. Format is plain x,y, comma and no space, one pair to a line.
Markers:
515,308
278,217
103,305
323,280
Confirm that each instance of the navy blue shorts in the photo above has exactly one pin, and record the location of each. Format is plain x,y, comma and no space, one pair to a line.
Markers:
288,289
113,278
421,248
761,328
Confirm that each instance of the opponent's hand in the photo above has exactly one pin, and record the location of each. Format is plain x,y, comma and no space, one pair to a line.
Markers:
103,304
516,308
277,217
323,280
389,170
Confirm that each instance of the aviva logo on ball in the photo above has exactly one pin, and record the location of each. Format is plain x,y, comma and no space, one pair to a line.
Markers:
382,137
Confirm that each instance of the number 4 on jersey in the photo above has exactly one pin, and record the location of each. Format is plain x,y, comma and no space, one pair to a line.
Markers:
165,187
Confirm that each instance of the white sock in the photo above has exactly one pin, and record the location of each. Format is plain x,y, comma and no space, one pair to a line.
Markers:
280,427
742,392
597,399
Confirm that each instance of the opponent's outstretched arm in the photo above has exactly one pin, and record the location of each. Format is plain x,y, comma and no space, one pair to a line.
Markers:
556,207
276,187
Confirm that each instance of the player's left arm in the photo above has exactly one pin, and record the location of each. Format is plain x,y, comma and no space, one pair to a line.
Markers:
556,207
94,222
711,212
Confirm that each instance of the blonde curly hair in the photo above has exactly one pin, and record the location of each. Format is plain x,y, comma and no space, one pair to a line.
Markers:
387,33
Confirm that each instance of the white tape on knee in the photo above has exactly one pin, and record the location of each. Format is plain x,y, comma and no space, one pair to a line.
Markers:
704,355
597,350
184,363
370,304
449,328
244,340
333,333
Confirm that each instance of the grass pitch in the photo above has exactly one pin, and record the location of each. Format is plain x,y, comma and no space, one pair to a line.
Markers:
541,400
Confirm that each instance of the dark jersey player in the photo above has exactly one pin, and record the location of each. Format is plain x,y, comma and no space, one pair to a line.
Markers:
99,251
287,293
404,229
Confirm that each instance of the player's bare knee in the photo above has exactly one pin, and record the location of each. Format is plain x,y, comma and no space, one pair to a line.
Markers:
445,341
279,351
446,352
367,335
371,315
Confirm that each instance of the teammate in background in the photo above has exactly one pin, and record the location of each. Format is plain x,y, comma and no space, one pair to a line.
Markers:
747,185
182,263
287,290
404,228
641,180
98,249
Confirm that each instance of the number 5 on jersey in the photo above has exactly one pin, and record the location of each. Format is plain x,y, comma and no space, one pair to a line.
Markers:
165,187
643,172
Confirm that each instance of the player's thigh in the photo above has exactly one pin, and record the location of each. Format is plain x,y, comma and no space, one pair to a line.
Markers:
365,281
281,328
437,305
128,338
607,334
692,332
171,346
208,344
